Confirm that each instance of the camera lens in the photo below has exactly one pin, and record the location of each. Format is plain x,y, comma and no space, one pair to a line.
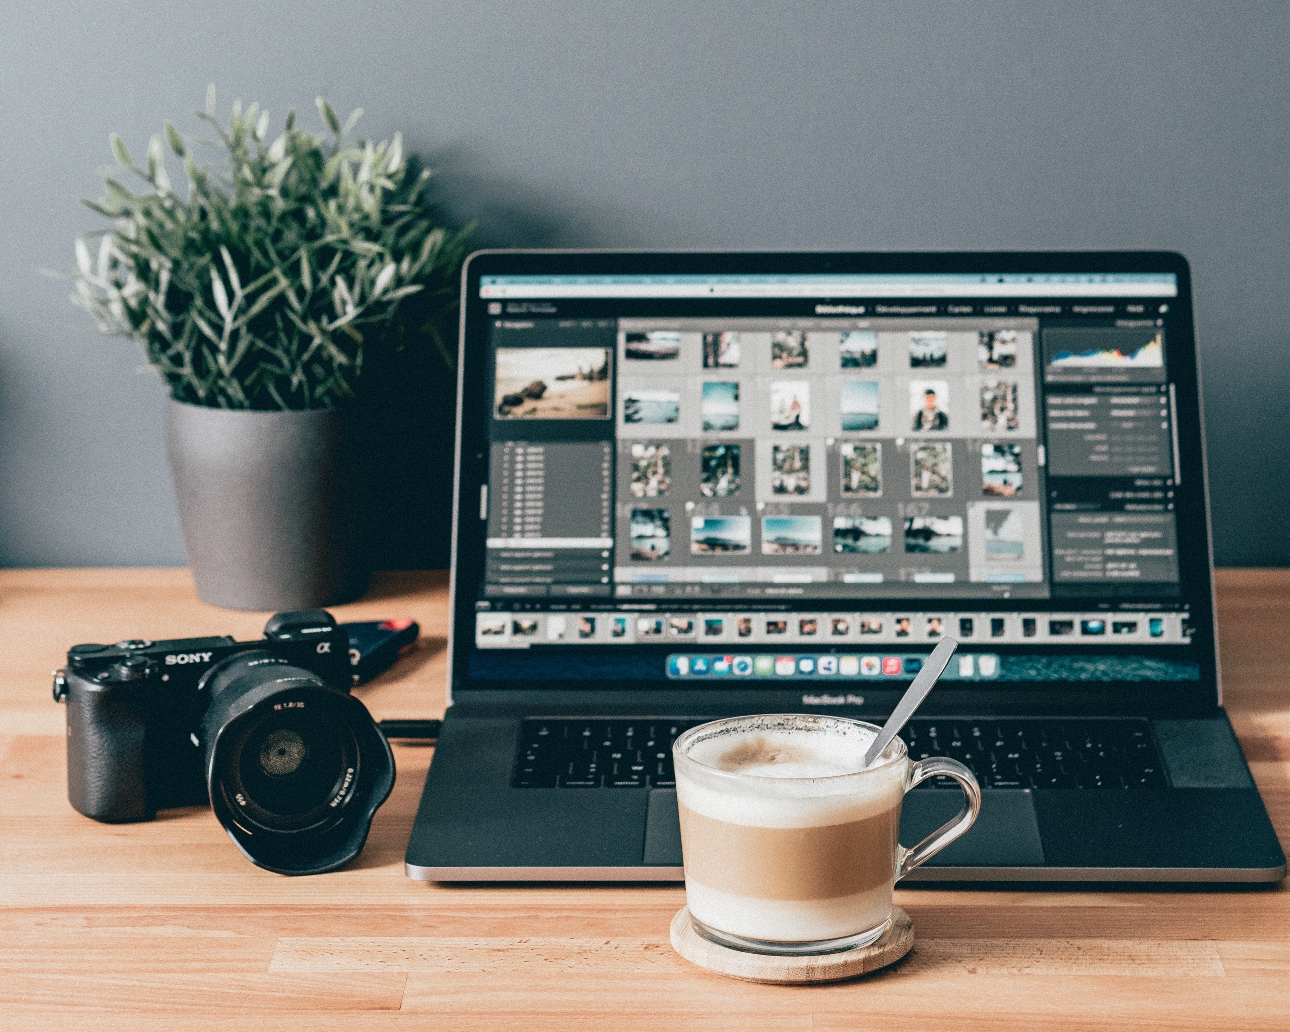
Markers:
295,768
282,753
291,766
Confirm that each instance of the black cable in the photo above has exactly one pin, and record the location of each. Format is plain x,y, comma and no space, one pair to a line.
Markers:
410,730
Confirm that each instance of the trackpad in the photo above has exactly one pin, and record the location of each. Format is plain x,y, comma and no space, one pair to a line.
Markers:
1005,834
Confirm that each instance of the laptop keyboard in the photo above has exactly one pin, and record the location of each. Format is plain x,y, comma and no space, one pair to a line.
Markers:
625,753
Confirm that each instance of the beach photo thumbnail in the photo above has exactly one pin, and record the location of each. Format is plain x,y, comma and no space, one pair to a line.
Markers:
858,349
653,346
720,534
1005,535
936,534
997,349
861,468
927,349
788,349
998,406
651,470
651,534
859,404
790,405
929,402
720,407
864,534
1001,469
721,350
791,535
931,473
719,470
552,383
656,405
790,472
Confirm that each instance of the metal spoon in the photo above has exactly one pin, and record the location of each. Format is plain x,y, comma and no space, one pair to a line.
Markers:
933,667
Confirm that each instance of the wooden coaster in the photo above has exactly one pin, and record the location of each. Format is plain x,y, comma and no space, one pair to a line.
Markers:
759,967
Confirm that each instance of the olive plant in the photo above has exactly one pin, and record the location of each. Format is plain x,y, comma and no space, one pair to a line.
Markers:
283,269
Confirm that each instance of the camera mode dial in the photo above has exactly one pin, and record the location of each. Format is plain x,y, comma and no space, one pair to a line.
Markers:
132,668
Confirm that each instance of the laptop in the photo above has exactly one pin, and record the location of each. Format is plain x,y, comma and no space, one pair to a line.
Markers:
691,485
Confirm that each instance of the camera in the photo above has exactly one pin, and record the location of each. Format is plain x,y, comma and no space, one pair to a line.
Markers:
265,731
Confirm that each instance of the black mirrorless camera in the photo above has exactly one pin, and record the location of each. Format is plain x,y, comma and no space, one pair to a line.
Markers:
266,731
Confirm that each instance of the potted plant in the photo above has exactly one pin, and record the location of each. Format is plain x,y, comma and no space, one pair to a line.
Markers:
260,298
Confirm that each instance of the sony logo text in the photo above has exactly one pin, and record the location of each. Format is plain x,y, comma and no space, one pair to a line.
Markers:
187,657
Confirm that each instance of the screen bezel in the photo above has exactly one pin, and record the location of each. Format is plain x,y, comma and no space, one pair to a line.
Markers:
1193,533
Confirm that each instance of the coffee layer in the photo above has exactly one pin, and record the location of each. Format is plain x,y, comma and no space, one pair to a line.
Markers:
823,861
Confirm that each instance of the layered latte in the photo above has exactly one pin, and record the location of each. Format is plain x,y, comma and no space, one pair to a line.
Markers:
784,839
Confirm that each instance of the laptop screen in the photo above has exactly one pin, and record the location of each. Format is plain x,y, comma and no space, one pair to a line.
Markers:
725,477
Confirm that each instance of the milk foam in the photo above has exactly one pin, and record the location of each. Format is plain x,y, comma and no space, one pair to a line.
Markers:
788,920
800,777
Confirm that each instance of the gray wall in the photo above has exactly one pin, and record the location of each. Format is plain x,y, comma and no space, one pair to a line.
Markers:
668,123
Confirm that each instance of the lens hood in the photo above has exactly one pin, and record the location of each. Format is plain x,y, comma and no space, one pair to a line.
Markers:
295,768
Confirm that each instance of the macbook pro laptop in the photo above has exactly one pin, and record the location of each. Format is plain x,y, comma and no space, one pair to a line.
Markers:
695,485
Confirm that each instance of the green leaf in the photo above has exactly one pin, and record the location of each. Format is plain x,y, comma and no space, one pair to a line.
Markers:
328,115
210,100
175,140
122,154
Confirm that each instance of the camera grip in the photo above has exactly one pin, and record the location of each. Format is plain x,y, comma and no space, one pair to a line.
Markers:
106,751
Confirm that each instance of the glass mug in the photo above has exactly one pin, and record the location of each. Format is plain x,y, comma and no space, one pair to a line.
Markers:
789,847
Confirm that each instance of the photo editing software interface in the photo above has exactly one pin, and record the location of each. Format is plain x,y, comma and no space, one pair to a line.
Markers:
757,483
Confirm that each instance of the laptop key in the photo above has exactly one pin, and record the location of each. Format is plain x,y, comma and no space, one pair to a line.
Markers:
1095,754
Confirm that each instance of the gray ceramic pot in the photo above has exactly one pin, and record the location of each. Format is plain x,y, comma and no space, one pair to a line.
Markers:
269,506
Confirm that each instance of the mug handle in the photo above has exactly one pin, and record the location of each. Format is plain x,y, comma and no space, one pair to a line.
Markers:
908,859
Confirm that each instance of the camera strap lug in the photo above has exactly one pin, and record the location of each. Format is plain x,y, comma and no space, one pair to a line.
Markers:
60,684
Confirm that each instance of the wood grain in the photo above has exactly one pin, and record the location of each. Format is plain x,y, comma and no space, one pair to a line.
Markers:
164,925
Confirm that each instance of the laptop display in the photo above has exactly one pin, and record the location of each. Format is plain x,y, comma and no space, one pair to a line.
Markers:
803,477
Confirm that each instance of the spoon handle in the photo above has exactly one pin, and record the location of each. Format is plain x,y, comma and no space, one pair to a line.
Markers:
933,667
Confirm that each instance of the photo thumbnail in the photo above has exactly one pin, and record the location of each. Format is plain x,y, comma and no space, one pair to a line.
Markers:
788,349
1005,535
938,534
720,534
927,349
654,346
790,469
791,535
861,469
1001,469
790,405
859,404
552,383
997,349
651,534
931,473
998,406
929,401
720,407
651,405
858,349
869,535
651,470
719,470
721,350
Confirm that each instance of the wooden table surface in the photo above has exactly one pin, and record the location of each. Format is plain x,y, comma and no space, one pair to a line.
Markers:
165,925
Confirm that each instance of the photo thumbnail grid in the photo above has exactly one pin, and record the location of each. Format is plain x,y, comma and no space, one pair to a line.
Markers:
763,442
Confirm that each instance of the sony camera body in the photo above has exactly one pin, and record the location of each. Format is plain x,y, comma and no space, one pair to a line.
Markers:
265,731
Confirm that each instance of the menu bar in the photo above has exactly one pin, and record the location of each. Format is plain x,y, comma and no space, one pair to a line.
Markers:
834,285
